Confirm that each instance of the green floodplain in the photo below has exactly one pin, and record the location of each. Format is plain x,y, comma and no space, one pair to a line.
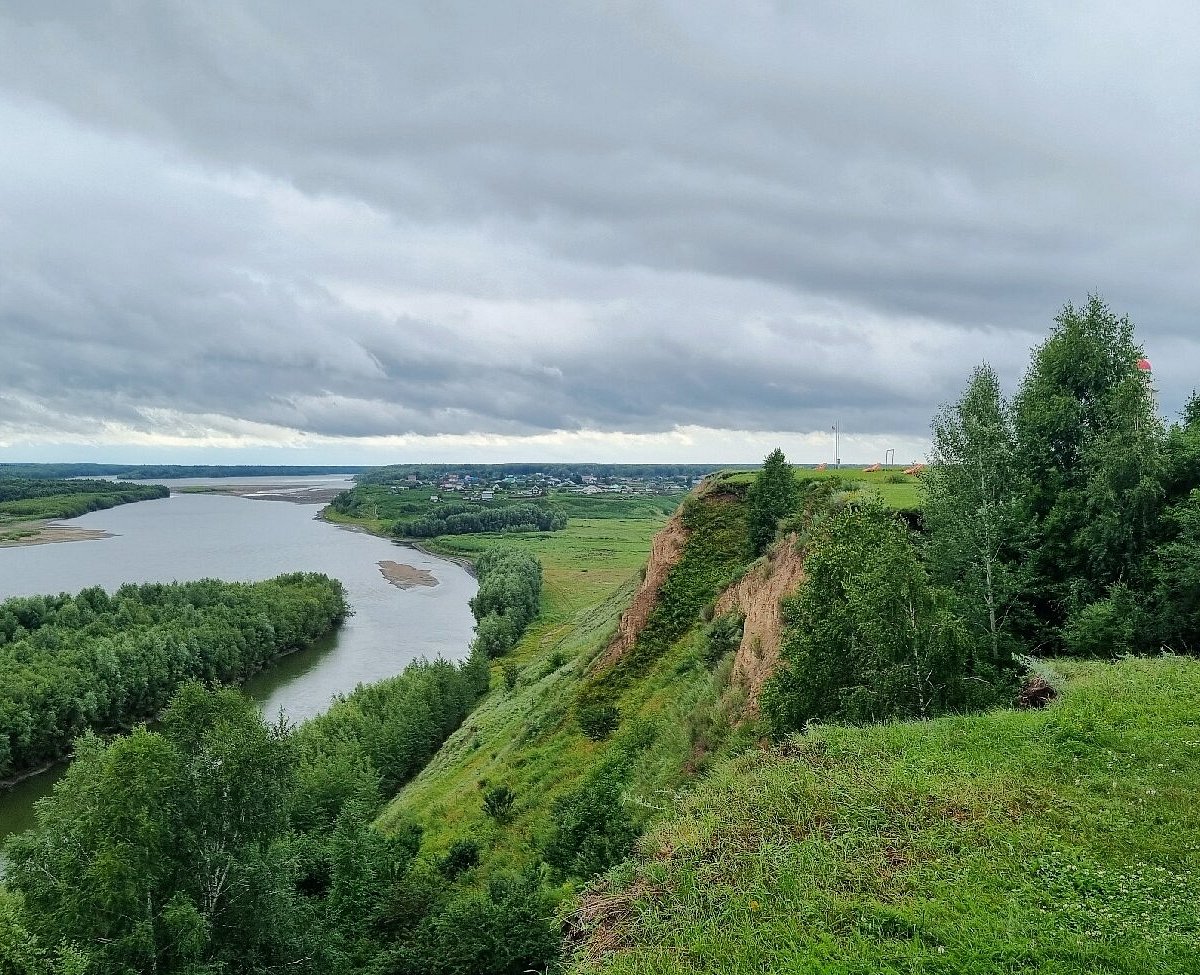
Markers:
768,722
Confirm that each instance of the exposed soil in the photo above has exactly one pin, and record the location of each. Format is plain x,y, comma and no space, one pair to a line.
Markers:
45,533
406,576
757,595
1036,693
665,551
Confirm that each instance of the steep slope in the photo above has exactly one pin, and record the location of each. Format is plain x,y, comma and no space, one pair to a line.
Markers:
1060,840
665,552
641,650
758,597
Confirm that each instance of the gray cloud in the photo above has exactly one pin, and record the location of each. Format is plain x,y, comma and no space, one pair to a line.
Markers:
520,218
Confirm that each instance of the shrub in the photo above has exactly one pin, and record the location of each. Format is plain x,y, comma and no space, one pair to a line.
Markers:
597,721
553,662
721,636
462,856
868,638
1107,627
498,803
592,829
511,675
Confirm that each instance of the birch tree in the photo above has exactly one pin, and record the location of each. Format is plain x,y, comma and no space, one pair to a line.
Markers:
974,513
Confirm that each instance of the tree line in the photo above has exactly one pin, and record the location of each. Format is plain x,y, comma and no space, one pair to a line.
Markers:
1062,520
509,596
219,843
100,661
147,472
47,498
460,519
397,473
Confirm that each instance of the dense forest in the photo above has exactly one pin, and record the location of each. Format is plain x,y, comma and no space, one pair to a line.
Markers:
165,472
99,661
32,498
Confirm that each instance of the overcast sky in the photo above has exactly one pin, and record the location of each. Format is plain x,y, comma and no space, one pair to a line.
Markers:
373,232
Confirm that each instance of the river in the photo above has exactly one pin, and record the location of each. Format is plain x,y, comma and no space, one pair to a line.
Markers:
195,536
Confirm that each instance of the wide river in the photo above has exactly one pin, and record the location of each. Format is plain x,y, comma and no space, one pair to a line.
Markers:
196,536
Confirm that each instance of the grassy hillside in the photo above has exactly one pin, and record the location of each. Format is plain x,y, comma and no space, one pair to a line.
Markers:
1058,841
527,738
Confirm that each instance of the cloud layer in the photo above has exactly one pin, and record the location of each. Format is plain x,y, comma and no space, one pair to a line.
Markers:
590,229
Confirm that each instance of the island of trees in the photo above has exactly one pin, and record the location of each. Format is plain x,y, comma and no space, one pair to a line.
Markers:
24,501
95,661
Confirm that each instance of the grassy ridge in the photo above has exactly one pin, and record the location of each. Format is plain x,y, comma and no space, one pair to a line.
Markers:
897,490
1058,841
526,737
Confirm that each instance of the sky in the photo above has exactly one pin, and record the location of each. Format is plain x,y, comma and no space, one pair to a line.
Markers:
382,232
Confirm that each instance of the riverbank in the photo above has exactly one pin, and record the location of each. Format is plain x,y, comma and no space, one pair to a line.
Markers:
283,491
199,536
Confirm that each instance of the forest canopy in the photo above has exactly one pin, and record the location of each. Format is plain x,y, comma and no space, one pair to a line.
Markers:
95,661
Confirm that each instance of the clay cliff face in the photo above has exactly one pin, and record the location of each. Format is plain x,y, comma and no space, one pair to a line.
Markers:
757,596
665,552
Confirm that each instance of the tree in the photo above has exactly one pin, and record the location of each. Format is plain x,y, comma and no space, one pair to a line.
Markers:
1089,452
772,497
868,638
974,518
155,852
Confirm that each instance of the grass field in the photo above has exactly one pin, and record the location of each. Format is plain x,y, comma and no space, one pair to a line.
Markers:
904,495
1056,841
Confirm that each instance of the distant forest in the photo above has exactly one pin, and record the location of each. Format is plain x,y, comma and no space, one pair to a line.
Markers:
162,472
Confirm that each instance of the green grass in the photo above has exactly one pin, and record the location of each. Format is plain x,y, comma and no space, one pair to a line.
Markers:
1057,841
904,496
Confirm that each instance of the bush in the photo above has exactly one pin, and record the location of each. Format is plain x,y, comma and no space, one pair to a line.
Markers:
592,829
462,856
1107,627
721,636
511,675
498,803
597,721
868,638
508,929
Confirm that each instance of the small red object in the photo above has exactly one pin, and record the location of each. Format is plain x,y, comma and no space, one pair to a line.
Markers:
1144,365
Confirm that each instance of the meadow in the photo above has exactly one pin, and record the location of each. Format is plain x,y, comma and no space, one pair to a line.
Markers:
1058,841
897,489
